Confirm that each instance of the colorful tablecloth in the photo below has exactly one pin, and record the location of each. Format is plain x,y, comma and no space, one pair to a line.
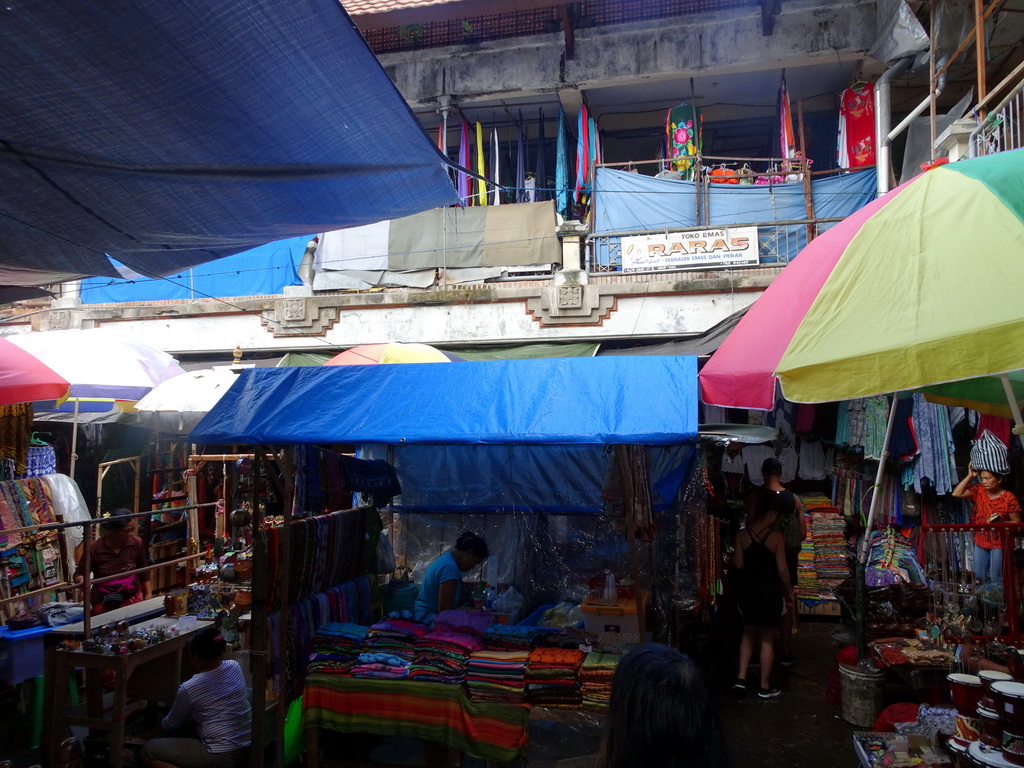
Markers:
431,711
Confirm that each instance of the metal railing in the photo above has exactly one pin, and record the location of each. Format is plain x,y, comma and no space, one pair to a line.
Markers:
1001,129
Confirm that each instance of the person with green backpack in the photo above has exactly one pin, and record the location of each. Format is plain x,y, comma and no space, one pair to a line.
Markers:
791,522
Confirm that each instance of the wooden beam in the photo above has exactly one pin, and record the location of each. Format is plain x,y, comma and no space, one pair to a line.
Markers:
769,10
570,32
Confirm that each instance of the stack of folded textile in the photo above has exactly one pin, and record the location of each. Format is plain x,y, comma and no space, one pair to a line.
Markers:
336,646
388,666
497,676
596,680
563,638
467,622
395,636
503,637
552,677
442,656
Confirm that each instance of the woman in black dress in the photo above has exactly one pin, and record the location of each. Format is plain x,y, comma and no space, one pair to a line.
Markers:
763,589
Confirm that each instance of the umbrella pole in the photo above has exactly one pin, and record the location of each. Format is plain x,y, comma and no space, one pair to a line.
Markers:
1011,398
74,442
865,544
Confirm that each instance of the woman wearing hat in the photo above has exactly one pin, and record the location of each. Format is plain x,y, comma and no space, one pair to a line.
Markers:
991,504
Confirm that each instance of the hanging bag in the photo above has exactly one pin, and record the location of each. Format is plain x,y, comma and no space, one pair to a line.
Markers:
988,453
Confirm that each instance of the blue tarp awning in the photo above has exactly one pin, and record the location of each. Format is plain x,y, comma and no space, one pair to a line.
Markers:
167,134
588,400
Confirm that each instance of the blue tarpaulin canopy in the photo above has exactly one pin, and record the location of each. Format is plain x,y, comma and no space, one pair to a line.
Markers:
167,134
587,400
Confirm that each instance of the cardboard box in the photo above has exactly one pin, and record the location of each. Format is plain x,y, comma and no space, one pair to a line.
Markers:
620,618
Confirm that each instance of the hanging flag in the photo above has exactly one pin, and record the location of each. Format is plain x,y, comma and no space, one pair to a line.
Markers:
561,168
682,138
521,164
481,185
543,190
462,178
495,166
787,144
582,153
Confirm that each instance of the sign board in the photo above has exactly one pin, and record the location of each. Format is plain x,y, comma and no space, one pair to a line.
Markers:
698,249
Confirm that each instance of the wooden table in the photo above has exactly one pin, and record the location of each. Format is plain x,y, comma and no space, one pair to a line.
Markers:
152,673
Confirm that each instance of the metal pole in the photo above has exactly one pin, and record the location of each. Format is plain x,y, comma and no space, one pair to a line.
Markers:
865,544
1011,398
74,442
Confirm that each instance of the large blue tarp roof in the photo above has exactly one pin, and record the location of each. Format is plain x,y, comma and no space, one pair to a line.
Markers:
590,400
167,134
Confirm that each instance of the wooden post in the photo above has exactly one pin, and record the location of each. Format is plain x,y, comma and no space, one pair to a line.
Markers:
258,624
931,86
629,498
805,167
287,503
979,48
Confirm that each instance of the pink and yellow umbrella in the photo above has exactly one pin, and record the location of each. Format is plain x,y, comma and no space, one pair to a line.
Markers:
391,352
918,288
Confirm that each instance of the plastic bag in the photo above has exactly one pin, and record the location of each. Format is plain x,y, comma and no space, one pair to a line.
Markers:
385,555
988,453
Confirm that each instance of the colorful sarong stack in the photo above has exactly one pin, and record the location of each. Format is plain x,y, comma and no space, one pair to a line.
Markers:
828,533
441,656
552,677
387,666
596,680
336,647
498,676
396,637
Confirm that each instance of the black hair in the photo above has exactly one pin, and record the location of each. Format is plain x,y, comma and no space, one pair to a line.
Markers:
765,502
771,466
661,714
470,542
207,643
115,519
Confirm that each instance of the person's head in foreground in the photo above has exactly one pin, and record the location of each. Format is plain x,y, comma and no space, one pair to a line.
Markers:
661,714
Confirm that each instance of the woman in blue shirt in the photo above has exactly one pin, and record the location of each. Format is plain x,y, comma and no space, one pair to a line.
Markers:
442,583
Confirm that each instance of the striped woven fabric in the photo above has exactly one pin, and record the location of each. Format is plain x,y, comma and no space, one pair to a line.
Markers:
422,710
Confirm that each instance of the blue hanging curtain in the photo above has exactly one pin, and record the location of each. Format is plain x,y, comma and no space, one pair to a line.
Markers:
561,168
543,190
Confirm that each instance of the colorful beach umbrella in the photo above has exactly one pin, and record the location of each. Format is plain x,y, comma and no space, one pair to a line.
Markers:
392,352
918,288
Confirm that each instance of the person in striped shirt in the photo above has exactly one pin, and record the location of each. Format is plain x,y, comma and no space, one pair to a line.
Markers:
216,699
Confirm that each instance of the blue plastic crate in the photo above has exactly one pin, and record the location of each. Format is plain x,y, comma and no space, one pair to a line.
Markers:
21,654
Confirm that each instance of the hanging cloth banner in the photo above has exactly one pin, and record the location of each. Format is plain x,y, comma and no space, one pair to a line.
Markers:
787,143
521,163
495,166
683,138
561,168
462,179
582,153
543,189
857,127
481,185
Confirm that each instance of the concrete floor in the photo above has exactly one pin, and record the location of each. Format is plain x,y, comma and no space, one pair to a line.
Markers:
797,729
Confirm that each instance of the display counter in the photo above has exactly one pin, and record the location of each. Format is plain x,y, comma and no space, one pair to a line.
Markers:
151,673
